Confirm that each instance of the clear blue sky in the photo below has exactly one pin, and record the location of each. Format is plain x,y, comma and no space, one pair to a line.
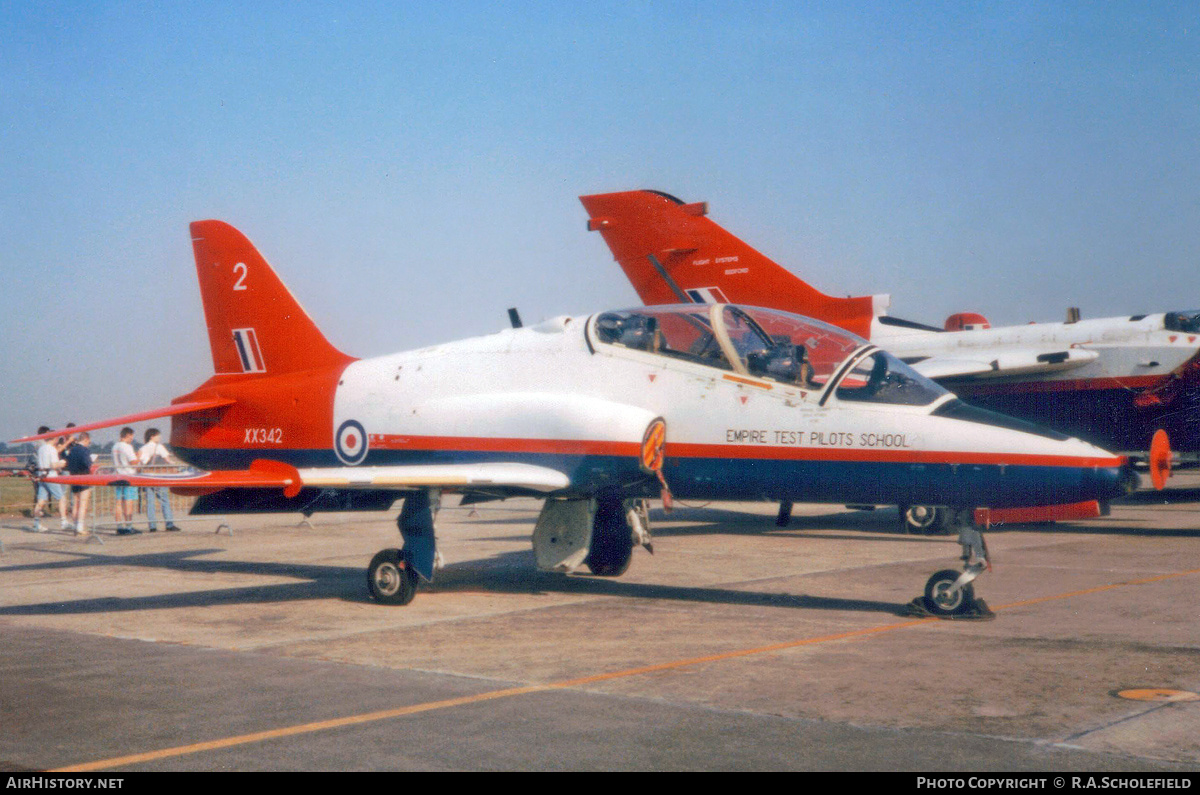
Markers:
411,169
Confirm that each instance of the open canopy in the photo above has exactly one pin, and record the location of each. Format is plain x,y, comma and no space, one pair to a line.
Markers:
769,344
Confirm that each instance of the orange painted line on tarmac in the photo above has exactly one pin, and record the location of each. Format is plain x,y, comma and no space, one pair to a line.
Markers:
510,692
288,731
371,717
1098,589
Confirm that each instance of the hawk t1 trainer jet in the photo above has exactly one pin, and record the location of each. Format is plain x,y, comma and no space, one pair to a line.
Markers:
1114,382
591,414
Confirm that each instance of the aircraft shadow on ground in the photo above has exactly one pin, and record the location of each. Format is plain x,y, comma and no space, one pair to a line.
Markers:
514,572
315,582
705,520
1168,496
1085,528
881,525
510,573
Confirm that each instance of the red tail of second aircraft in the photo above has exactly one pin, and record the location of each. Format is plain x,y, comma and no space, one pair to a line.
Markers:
672,254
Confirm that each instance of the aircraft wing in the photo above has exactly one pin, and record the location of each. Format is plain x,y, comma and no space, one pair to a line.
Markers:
1022,361
274,474
497,474
166,411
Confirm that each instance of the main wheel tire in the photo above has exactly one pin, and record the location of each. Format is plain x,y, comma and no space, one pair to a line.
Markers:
939,600
612,540
390,579
923,519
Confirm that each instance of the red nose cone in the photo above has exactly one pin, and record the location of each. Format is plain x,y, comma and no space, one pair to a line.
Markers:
1160,459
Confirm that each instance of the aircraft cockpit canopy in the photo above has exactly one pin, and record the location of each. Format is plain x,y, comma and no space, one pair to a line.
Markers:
1187,322
768,344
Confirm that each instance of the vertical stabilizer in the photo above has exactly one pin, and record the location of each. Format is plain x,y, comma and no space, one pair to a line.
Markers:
671,253
255,326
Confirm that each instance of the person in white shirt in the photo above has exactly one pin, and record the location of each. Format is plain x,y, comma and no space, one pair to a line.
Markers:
49,463
125,462
155,453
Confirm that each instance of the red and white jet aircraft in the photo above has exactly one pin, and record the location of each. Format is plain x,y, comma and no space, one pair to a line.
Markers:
1115,382
593,414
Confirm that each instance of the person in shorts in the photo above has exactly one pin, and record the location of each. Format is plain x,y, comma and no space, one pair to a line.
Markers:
79,462
63,449
125,462
48,463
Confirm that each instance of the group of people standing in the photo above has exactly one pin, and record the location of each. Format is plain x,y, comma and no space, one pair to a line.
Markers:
72,455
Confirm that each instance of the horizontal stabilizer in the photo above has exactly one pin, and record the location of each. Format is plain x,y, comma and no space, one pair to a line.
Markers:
187,479
166,411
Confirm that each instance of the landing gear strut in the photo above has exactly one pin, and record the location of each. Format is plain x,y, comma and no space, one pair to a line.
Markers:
394,574
950,592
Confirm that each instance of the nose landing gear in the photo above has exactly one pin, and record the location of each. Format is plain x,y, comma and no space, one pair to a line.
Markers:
949,593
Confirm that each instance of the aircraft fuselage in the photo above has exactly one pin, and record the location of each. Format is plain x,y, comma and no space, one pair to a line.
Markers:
557,395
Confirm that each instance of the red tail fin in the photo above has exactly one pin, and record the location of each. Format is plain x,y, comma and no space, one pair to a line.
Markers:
672,253
255,326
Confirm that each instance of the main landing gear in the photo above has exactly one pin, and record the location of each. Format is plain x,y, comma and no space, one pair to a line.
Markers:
925,520
949,593
617,527
604,530
395,574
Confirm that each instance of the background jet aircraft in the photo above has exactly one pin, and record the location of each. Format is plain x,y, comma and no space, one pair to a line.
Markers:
592,414
1113,382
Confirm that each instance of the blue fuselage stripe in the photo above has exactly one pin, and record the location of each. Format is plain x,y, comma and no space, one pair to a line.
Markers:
883,483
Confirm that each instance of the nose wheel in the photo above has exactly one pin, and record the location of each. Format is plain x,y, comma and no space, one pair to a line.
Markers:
945,597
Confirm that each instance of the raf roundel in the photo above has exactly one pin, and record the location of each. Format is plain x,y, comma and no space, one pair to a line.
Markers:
350,443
